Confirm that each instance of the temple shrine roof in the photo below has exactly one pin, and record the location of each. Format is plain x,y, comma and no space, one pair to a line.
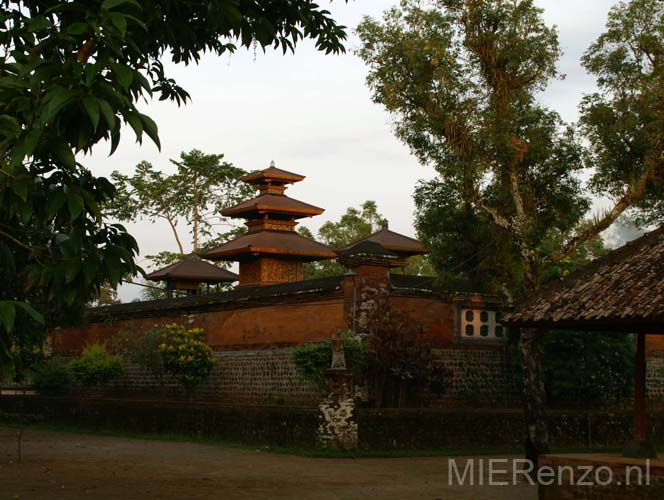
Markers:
623,290
192,268
391,241
284,243
366,248
272,174
273,203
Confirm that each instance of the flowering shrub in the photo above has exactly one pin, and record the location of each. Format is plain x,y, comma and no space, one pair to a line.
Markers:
186,355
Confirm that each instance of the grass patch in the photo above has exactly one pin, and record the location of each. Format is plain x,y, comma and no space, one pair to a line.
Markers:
286,450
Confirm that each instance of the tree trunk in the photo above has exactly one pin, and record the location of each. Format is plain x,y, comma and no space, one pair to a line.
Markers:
195,213
537,436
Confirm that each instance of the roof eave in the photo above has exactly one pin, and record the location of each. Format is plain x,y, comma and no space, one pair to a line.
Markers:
230,212
221,255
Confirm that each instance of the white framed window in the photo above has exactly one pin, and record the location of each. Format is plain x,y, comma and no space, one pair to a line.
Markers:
481,324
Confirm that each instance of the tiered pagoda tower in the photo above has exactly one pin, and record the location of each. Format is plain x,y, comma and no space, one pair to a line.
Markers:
271,251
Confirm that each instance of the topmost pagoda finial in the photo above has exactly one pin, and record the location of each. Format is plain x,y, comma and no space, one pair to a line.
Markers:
272,164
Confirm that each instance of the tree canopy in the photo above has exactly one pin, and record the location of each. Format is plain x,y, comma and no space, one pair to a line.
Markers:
462,80
72,75
195,194
624,120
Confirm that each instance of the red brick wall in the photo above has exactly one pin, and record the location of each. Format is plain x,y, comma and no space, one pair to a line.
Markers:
655,346
241,328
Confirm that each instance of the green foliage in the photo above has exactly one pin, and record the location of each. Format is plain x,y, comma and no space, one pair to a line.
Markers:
588,368
313,360
186,355
196,193
25,349
353,225
583,369
467,251
623,120
462,83
52,378
96,366
146,353
72,74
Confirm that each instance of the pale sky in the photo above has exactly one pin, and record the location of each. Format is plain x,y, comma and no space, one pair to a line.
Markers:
312,114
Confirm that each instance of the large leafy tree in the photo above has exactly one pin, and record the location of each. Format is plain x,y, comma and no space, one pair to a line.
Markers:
71,75
195,194
624,120
461,79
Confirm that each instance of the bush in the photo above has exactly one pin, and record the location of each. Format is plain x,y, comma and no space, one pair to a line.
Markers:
96,366
147,354
313,360
588,368
582,369
185,354
52,378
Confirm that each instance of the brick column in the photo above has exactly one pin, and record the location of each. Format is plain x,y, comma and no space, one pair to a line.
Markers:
367,266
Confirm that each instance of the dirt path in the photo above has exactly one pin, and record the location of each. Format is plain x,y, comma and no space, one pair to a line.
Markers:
73,466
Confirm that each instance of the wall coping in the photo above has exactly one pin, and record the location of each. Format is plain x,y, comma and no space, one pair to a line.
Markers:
239,298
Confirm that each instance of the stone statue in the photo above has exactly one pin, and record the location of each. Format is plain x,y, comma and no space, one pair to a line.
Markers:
338,357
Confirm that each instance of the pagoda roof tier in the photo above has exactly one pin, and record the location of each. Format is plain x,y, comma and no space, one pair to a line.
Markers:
273,203
192,268
283,243
391,241
272,174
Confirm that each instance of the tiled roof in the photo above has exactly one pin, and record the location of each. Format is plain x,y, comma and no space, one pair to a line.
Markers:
271,242
392,241
369,248
623,291
274,203
272,173
193,269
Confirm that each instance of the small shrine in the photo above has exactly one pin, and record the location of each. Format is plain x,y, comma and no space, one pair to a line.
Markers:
271,251
403,247
187,275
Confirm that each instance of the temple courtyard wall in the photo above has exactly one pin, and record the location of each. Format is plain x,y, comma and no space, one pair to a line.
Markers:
252,332
252,339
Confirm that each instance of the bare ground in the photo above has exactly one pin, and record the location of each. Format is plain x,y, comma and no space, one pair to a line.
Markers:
75,466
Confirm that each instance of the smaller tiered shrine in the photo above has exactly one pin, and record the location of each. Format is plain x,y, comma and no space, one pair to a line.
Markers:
403,247
271,251
189,274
